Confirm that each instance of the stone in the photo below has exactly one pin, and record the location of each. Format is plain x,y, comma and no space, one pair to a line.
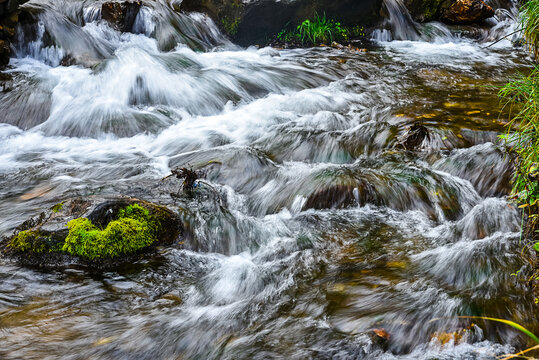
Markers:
424,10
464,12
12,6
121,15
5,53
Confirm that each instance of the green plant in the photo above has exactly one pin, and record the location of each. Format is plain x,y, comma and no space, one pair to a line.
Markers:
530,24
357,31
230,25
521,97
319,30
133,230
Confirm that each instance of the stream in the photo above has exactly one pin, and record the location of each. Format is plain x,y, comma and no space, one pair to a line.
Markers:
313,227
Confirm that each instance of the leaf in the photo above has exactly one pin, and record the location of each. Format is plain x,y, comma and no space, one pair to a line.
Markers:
507,322
536,246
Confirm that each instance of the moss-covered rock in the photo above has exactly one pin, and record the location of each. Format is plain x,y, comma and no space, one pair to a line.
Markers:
424,10
100,232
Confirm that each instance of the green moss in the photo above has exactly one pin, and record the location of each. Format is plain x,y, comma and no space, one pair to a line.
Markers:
58,207
425,10
29,240
134,229
230,25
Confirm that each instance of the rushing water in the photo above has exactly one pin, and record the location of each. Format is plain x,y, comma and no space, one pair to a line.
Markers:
317,227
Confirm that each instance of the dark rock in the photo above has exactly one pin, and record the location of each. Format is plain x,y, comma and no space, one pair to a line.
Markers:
5,53
12,6
6,82
340,196
121,15
413,139
424,10
46,233
255,22
466,12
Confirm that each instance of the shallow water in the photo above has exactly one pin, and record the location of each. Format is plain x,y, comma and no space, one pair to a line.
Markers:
317,227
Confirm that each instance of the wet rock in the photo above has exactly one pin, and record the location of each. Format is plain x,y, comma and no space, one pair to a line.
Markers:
333,196
466,12
424,10
10,6
49,240
469,334
340,196
254,22
380,338
6,82
121,15
5,53
414,138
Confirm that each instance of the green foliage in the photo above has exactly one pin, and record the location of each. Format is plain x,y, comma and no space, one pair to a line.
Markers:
320,30
230,25
530,24
357,31
521,96
134,229
286,36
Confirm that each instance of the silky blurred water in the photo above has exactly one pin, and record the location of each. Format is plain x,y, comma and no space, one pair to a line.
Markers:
318,227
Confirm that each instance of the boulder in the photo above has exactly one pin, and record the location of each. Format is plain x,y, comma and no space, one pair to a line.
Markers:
256,21
5,53
464,12
98,232
9,6
424,10
121,15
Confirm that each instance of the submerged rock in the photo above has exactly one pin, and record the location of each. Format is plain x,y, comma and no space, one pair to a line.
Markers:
96,231
464,12
121,15
256,21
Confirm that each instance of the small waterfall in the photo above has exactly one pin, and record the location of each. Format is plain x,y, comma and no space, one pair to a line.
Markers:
59,32
399,24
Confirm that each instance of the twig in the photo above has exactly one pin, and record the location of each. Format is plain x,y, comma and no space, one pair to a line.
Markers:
512,356
500,39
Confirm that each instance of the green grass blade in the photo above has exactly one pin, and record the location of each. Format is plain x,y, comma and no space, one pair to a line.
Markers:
507,322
